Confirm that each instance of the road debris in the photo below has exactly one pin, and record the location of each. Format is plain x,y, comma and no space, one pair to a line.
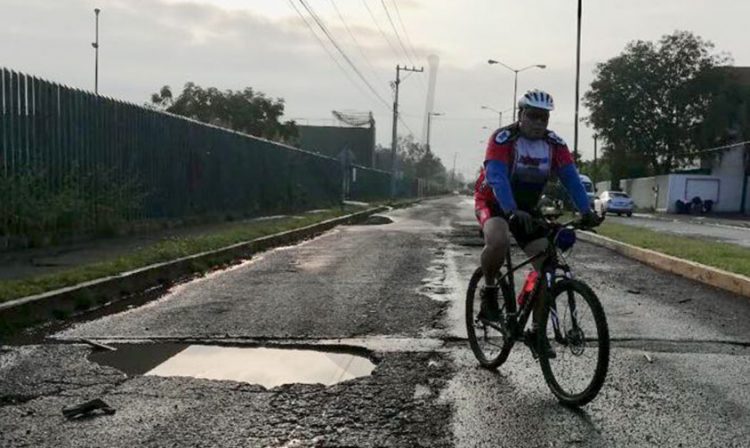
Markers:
87,408
648,358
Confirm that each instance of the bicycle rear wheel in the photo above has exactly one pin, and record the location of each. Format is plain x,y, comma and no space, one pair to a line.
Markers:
576,328
489,344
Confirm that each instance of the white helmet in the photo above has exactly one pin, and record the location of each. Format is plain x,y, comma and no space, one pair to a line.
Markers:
538,99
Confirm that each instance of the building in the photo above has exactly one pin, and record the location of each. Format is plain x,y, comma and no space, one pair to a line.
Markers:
332,140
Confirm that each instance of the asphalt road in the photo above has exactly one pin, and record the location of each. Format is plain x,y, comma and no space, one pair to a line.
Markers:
727,234
679,371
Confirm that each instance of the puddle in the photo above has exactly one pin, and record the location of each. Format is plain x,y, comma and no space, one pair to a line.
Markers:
264,366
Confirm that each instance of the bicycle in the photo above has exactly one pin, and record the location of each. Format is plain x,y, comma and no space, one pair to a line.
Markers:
563,322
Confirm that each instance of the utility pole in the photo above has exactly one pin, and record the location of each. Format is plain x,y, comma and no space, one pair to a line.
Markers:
96,53
453,171
578,80
596,172
394,136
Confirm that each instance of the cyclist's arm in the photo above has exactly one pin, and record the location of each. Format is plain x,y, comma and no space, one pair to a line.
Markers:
568,175
497,178
496,160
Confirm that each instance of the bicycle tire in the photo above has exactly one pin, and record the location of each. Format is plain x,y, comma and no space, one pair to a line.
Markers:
484,360
603,344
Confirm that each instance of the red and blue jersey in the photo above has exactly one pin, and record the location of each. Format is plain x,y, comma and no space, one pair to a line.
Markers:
517,169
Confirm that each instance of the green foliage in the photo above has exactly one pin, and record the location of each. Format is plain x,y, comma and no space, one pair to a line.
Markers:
244,110
415,160
649,102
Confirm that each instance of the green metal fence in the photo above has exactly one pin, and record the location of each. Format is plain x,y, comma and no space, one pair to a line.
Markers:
74,163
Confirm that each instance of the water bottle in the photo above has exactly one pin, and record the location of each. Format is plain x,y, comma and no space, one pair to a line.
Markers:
528,288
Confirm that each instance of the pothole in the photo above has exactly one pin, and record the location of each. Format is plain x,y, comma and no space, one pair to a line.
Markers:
376,220
268,367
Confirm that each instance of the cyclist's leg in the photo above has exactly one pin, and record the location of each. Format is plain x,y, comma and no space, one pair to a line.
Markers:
496,244
533,248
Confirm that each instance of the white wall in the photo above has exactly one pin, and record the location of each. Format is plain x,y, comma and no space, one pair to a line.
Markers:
730,169
641,190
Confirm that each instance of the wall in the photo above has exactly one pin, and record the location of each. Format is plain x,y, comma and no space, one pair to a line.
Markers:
641,191
729,167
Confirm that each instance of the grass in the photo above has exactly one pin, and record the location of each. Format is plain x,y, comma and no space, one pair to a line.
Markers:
728,257
168,249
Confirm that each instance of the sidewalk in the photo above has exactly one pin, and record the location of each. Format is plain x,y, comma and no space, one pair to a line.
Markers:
729,219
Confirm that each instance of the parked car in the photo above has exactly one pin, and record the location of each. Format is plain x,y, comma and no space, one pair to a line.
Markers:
590,189
614,202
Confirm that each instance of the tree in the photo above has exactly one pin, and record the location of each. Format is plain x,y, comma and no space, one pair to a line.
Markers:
245,110
650,102
415,160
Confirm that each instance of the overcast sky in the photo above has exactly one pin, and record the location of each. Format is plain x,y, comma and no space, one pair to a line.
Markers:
231,44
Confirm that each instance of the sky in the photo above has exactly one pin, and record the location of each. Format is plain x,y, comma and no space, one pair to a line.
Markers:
265,44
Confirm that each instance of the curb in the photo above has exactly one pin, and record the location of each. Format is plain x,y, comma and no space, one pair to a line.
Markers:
117,287
718,278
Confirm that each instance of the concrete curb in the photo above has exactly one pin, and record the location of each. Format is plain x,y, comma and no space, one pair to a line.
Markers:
728,281
114,288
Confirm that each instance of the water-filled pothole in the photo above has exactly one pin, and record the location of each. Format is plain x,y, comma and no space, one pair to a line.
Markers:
264,366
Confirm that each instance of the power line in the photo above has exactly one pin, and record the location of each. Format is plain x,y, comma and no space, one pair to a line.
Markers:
327,50
406,33
395,31
356,42
322,26
377,25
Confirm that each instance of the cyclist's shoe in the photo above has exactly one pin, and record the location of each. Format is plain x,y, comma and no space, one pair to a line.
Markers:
489,309
538,348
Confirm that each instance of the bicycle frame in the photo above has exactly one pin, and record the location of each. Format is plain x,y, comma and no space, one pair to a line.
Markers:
517,318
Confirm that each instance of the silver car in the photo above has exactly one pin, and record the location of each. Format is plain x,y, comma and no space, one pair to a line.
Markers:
614,202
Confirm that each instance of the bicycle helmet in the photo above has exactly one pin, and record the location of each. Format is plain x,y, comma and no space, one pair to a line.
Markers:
538,99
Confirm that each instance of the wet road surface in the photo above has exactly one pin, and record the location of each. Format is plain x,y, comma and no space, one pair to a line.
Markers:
717,232
393,293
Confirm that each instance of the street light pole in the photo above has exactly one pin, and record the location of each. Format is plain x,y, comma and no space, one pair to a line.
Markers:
515,81
96,53
429,120
499,115
578,81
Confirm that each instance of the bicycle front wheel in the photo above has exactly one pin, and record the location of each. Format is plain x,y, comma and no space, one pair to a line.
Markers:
487,341
576,329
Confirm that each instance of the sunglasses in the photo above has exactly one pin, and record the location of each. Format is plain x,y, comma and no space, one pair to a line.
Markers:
536,115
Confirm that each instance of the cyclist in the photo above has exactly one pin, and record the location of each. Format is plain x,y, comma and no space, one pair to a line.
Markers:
519,160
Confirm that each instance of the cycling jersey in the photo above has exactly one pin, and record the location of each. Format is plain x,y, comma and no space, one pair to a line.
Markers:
516,170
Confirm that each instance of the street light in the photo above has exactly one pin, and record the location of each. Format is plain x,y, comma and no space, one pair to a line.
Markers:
499,115
429,119
515,82
96,53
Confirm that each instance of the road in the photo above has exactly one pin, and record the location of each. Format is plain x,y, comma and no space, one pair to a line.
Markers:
679,371
727,234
